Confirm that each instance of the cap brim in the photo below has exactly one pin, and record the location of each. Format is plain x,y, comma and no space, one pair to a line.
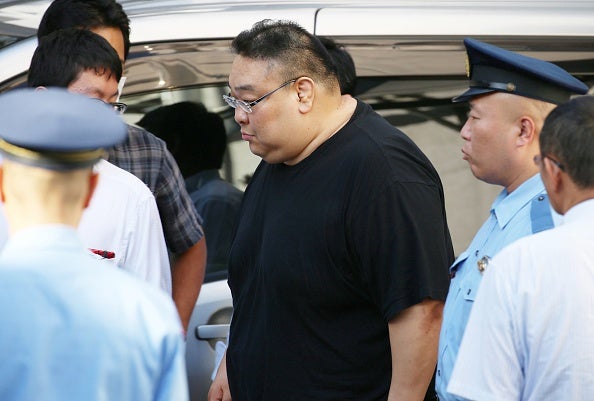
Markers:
58,161
470,93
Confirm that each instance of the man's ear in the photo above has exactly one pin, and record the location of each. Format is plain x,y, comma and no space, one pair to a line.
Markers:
554,174
527,131
93,180
305,93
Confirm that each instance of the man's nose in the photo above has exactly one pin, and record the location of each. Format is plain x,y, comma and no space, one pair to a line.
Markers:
241,116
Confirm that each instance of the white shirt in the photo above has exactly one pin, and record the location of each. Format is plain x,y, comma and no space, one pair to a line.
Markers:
530,335
123,218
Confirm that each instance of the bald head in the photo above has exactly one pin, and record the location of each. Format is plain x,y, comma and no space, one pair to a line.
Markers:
34,195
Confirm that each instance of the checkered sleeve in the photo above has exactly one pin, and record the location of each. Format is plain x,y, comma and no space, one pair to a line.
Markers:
147,157
181,222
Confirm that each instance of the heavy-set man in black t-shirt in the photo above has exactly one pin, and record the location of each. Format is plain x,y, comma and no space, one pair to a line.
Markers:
339,265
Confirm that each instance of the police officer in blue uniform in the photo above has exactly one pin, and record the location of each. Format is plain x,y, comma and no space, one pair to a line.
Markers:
72,327
509,96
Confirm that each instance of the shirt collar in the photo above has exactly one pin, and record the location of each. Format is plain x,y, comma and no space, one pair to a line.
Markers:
197,180
506,205
42,237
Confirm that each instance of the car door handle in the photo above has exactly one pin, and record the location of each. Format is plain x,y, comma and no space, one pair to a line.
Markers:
212,331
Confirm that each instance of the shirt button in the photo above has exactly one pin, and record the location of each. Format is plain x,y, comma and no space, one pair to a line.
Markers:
476,252
469,291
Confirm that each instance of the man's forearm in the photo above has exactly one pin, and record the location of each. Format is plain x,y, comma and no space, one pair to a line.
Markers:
187,275
414,337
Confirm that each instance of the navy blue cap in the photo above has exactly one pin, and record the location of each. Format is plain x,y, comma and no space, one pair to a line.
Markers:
56,129
492,69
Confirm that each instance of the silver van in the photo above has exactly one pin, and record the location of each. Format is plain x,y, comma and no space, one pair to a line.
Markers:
410,62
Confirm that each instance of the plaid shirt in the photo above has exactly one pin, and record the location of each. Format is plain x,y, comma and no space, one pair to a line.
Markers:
147,157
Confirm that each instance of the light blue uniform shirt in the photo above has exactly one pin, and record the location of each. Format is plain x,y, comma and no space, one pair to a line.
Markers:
509,220
75,328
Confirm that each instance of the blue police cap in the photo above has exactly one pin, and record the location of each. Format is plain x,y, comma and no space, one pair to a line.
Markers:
56,129
492,69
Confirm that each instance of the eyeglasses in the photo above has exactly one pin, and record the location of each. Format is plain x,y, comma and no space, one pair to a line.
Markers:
247,106
539,158
118,107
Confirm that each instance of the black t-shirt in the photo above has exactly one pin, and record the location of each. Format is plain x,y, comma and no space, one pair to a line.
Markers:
326,252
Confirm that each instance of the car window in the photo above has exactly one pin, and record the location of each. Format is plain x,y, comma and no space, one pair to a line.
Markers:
409,82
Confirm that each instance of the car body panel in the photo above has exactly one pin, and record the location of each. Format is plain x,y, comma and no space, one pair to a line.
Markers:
15,59
459,18
214,24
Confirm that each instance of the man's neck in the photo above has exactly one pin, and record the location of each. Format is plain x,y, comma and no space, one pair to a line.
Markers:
335,117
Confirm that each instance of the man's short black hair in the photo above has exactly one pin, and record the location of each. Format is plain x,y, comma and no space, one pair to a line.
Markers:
345,66
196,137
568,137
63,55
85,14
293,49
